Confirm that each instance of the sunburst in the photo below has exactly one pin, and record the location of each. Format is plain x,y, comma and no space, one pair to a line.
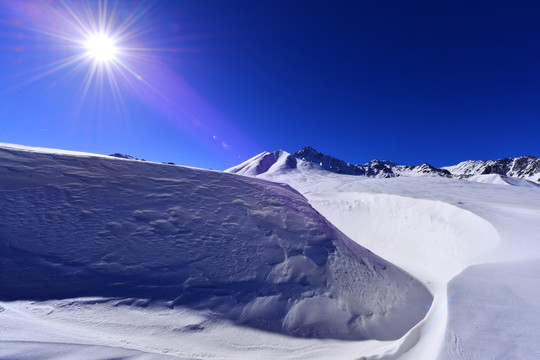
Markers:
99,39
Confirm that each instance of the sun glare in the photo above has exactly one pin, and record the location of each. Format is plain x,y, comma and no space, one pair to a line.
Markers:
101,48
102,42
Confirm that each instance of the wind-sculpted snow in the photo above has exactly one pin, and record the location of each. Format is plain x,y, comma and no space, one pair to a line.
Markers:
248,250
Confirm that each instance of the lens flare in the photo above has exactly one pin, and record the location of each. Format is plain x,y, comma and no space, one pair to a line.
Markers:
97,41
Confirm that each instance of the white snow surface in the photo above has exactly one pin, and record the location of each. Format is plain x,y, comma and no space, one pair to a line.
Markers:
476,245
106,258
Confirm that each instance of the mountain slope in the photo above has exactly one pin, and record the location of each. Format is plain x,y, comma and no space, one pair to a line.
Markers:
251,251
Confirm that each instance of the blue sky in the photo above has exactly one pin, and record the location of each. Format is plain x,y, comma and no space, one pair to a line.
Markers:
212,83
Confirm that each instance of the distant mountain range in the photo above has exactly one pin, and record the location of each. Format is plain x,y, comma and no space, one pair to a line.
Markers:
524,170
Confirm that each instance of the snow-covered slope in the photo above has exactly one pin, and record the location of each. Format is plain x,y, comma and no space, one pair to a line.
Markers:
501,180
475,245
83,236
265,162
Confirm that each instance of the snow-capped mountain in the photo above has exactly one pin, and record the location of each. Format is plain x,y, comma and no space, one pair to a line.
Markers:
523,167
513,171
374,168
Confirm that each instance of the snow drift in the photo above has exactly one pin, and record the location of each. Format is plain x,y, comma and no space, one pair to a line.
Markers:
250,251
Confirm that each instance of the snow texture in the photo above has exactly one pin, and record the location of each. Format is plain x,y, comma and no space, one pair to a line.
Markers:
244,250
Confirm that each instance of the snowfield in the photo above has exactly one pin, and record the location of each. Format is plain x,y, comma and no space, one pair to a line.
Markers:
106,258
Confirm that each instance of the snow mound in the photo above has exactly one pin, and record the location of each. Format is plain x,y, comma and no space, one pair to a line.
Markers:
250,251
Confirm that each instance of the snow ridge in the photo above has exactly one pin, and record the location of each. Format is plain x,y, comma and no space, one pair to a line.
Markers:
250,251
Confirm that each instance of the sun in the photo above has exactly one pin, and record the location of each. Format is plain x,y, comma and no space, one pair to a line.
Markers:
101,48
101,42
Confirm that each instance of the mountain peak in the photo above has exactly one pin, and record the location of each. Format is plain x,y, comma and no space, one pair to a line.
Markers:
307,151
278,160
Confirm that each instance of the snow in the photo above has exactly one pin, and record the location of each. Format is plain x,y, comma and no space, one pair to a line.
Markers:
475,245
501,180
523,167
115,258
507,327
442,239
122,258
520,171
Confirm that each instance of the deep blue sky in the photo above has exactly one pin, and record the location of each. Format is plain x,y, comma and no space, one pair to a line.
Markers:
412,82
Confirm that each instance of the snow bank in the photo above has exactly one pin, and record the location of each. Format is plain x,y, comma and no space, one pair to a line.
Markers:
250,251
431,239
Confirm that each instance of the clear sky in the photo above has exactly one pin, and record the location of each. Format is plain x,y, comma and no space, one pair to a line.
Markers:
212,83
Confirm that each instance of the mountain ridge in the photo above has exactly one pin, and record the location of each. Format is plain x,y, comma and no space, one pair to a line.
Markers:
526,168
